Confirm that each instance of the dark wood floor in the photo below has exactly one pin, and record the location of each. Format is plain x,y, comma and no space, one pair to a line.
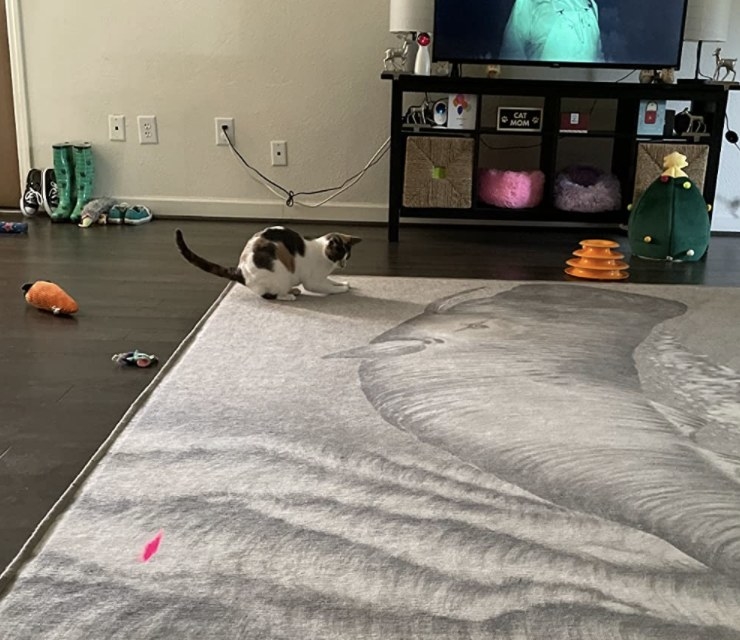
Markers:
62,395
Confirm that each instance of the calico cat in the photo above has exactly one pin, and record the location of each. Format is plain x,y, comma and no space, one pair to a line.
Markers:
276,260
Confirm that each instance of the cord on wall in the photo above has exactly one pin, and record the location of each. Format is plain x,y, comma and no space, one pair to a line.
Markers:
291,196
731,136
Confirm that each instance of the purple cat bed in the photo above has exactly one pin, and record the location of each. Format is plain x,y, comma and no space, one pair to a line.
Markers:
511,189
587,189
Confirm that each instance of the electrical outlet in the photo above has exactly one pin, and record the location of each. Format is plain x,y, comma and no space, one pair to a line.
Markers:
117,128
148,130
220,137
279,153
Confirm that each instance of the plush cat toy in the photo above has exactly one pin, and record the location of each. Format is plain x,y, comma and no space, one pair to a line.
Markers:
48,296
96,211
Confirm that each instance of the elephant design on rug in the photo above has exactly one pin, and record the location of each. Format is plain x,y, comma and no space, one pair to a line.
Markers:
540,386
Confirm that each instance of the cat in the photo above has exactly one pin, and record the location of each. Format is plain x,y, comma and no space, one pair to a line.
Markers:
276,260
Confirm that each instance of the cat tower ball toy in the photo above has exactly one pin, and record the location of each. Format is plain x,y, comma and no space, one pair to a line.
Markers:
596,260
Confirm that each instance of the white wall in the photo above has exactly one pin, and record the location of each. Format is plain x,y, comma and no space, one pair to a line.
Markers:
305,72
726,216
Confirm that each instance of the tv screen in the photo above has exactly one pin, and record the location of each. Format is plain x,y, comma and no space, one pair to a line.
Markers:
603,33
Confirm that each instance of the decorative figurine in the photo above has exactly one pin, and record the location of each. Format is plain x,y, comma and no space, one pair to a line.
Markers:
395,59
418,115
728,64
686,122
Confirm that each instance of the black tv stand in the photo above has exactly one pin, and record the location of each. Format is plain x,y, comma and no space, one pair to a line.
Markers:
707,99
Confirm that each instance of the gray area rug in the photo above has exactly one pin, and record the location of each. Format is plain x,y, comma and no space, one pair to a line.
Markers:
418,459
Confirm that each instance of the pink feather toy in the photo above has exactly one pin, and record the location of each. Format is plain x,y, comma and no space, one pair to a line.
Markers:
151,547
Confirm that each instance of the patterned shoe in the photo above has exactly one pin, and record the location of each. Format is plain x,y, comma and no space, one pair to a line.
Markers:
138,214
32,198
49,190
64,175
117,213
82,158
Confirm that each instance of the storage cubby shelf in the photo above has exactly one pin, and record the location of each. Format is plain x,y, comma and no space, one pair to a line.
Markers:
707,99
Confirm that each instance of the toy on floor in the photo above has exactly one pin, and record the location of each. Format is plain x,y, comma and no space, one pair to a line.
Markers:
110,211
48,296
596,260
13,227
671,219
135,358
96,212
151,547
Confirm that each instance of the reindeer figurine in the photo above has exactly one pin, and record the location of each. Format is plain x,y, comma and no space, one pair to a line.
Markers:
395,59
728,64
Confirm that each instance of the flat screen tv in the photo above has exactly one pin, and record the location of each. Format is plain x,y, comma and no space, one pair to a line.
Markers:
640,34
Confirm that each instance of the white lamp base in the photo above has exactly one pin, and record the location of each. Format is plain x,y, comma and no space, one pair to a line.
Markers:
423,63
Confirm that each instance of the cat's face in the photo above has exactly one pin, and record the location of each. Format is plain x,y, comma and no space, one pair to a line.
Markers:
339,248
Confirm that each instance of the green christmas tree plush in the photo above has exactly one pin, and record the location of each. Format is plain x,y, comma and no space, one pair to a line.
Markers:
670,221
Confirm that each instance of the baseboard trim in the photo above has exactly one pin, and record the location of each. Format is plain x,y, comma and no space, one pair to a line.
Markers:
239,209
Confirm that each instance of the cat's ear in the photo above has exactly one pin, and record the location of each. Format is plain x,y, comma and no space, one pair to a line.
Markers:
350,241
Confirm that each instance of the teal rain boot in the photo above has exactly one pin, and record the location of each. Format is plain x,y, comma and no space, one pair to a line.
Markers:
84,178
64,172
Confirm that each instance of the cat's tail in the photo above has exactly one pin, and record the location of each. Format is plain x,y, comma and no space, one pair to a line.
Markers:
230,273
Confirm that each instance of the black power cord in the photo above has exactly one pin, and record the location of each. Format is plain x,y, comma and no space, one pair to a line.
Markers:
624,77
730,135
290,196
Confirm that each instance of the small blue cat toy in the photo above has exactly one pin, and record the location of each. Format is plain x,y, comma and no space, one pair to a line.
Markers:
13,227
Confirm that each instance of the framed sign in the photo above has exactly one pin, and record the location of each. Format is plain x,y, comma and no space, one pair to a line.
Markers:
519,119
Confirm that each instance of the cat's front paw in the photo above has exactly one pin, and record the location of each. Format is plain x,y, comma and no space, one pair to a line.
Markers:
341,287
295,291
286,297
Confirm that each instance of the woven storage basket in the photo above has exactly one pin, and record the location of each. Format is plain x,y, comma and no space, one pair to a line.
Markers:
439,173
650,164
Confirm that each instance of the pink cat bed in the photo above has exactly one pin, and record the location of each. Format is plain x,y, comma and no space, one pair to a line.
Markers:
587,189
511,189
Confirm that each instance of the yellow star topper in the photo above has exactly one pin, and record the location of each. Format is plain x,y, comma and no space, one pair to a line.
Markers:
673,164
